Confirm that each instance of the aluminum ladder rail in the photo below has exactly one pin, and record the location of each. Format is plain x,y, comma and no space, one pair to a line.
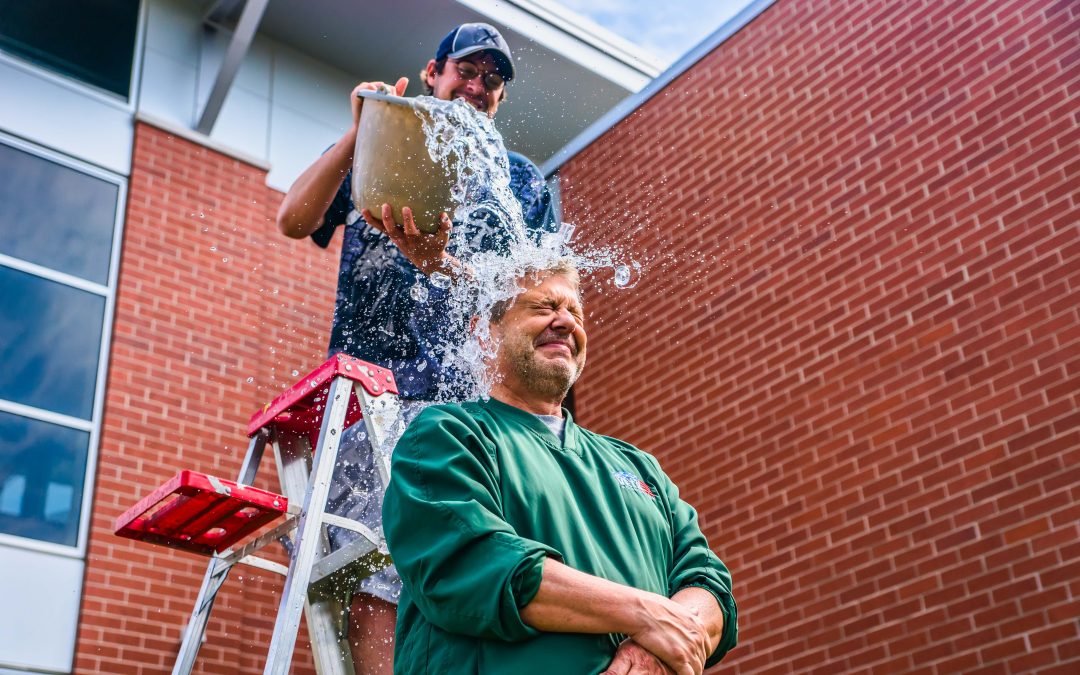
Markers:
318,584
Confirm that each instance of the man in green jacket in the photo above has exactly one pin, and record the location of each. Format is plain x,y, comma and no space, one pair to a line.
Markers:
527,544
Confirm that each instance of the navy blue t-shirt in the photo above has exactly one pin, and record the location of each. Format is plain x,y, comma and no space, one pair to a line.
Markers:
376,318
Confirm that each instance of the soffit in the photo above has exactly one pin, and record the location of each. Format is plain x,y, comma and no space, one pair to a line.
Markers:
553,98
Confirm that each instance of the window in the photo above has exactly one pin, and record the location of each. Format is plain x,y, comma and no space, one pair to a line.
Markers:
42,467
55,216
49,343
90,40
58,229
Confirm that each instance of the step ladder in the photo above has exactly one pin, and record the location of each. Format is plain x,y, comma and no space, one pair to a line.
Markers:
210,516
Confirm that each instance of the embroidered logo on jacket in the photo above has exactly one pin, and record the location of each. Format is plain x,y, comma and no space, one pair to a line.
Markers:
629,481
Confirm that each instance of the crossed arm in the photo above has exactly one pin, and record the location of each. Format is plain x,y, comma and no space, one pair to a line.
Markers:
673,635
470,573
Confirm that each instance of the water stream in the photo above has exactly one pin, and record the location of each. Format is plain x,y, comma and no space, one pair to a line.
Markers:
468,145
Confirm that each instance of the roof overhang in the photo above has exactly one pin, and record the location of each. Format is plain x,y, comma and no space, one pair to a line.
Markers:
570,72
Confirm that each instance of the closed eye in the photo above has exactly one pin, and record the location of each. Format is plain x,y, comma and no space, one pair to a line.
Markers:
554,305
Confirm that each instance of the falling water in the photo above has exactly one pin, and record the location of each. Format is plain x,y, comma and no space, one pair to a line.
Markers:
466,143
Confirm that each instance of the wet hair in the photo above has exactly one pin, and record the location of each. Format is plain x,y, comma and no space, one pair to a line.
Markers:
563,268
439,65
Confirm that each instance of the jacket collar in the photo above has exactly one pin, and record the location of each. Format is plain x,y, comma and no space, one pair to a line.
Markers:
527,419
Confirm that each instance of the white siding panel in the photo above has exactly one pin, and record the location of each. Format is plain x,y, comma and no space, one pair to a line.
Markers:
313,89
172,27
65,117
295,142
168,88
243,122
41,605
283,108
256,72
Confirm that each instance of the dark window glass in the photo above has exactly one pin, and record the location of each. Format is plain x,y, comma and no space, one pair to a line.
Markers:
49,340
41,479
91,40
55,216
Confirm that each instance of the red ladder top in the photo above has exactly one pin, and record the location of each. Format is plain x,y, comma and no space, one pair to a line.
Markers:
300,407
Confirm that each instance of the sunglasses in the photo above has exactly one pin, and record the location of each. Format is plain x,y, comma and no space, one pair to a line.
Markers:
492,80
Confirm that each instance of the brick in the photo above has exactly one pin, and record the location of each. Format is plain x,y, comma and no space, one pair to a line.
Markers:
871,400
207,348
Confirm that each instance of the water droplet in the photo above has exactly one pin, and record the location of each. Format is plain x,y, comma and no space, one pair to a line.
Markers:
626,276
213,248
295,373
419,292
250,380
439,280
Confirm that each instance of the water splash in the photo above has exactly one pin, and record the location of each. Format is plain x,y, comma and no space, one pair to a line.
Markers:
440,280
419,293
491,239
627,276
466,143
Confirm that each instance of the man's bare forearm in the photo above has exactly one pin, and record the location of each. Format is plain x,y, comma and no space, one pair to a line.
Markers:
302,209
570,601
707,609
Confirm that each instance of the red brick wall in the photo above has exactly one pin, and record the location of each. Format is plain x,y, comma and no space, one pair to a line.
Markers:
214,311
857,343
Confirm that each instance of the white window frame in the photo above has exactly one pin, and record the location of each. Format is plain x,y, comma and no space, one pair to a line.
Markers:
108,292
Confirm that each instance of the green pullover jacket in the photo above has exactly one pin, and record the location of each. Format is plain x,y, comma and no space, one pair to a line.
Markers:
480,493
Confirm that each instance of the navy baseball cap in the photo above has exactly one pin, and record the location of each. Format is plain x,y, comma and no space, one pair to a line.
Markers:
469,38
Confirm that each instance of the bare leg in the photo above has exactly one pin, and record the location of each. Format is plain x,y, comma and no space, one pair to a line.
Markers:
371,634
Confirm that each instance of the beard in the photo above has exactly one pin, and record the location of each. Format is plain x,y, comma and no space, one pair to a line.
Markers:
549,378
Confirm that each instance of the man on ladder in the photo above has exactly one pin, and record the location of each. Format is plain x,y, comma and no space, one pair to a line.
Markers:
376,318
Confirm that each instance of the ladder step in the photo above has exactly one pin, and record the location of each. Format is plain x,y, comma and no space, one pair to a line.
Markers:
299,408
200,513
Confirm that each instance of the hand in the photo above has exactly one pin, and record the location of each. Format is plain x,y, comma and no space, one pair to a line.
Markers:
633,659
357,102
426,251
675,634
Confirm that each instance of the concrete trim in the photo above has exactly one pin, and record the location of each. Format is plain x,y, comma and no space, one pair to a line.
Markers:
632,103
201,139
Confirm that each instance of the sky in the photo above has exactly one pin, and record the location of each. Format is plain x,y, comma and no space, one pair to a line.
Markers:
668,28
